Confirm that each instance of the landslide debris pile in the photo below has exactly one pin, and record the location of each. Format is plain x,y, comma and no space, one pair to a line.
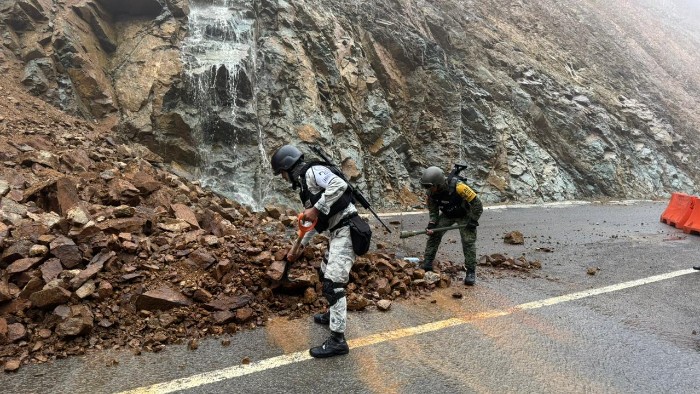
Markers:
102,247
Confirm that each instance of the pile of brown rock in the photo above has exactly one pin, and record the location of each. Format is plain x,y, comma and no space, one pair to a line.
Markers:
103,247
502,261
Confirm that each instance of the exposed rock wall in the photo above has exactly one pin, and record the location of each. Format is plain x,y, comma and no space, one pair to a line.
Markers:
102,59
542,101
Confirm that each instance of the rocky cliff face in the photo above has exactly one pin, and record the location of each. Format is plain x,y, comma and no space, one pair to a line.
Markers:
542,100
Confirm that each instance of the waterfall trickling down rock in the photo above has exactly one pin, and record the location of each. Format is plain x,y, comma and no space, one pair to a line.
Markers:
219,58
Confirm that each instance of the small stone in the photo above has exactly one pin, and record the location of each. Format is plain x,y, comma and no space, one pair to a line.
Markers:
223,317
276,270
309,296
77,216
242,315
16,332
384,305
201,295
211,240
79,322
86,290
50,297
162,298
12,365
185,213
105,289
124,211
160,337
514,238
38,251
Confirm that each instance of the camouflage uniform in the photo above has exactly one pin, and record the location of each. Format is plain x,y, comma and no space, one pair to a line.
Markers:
327,199
470,213
340,256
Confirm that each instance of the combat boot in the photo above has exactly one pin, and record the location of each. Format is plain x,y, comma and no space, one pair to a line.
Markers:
335,345
470,277
426,266
323,318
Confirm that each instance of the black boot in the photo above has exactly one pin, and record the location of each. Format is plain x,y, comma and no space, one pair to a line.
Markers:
323,318
470,278
697,267
333,346
426,266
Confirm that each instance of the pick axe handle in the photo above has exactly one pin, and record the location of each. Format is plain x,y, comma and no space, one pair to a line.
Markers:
407,234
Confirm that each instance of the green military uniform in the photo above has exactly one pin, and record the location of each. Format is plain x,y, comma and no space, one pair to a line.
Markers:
457,203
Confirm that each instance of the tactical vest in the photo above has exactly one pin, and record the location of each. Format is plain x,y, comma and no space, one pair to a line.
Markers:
309,200
451,204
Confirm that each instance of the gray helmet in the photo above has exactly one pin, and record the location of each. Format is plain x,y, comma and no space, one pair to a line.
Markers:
432,176
285,158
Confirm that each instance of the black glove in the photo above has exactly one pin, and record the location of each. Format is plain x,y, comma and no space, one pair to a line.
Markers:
431,225
472,225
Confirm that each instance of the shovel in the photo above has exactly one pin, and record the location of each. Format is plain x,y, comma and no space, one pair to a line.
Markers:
407,234
279,269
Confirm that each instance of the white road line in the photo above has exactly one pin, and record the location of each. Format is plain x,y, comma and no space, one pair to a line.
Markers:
287,359
555,204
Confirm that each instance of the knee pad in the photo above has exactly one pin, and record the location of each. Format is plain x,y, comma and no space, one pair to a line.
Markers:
333,291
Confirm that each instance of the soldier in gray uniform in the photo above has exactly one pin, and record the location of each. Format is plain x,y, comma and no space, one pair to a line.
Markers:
451,201
327,199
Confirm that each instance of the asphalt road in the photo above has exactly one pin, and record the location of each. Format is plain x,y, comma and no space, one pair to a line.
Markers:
634,326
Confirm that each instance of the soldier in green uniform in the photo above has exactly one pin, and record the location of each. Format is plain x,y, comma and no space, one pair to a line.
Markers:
451,201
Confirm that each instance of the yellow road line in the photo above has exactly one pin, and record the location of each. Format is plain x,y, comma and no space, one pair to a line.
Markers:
287,359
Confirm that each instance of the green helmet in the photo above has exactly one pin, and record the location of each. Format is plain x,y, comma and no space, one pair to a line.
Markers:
432,176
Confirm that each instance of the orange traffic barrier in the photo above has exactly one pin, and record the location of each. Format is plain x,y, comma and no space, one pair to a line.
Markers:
692,222
678,210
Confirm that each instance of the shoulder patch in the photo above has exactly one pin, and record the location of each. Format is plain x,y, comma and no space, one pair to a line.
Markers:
465,191
323,175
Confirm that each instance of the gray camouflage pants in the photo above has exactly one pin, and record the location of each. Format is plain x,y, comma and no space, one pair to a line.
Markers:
340,260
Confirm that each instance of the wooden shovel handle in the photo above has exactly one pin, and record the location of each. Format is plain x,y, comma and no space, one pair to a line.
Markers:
296,246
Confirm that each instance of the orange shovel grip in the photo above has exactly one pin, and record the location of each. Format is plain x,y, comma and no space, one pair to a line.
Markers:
304,229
